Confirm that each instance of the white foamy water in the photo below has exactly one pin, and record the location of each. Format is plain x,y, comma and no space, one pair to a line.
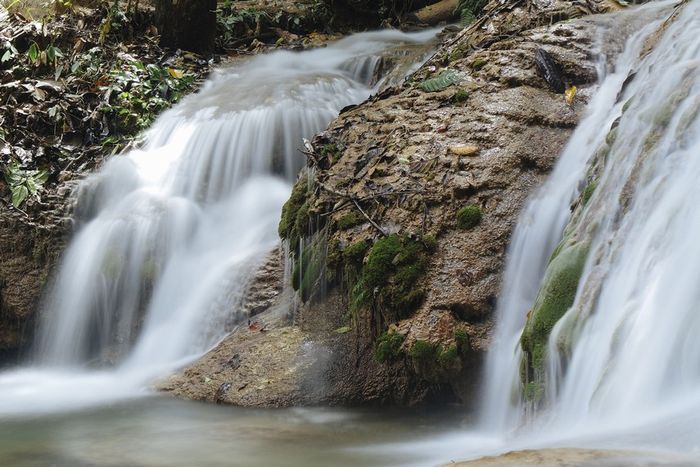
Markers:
170,233
631,376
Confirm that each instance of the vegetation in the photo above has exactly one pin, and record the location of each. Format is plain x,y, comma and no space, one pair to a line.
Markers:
441,82
142,93
388,347
307,269
533,391
555,297
24,182
93,100
424,351
449,356
588,192
460,96
293,212
469,217
462,340
469,9
388,282
349,220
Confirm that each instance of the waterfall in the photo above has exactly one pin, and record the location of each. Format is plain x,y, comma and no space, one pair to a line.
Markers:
171,232
626,353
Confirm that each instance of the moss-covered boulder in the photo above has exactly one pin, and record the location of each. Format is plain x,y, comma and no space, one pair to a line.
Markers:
556,296
295,213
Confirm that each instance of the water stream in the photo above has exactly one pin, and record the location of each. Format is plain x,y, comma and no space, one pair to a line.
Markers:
622,367
170,233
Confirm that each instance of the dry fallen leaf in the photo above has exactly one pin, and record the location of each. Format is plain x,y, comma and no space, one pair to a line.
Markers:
466,150
570,95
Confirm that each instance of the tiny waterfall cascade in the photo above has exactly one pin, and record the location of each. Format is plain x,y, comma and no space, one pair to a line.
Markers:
626,352
171,232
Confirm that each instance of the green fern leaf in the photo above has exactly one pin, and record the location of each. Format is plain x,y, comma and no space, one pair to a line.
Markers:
444,80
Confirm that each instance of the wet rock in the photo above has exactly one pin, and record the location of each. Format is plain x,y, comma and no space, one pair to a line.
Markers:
400,159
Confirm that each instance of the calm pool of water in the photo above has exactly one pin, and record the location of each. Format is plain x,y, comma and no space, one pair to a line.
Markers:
161,431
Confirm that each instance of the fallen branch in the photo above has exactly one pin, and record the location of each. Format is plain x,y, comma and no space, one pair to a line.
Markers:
374,224
433,14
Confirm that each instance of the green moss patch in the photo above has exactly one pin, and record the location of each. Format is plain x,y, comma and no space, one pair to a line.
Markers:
388,347
349,220
389,280
533,391
295,211
555,297
469,217
588,192
463,341
424,350
308,267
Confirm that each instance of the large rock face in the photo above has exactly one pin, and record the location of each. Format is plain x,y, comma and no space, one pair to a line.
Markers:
30,244
477,127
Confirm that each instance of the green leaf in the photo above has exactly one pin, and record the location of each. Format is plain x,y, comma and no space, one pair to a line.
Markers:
444,80
41,177
33,52
6,56
19,194
31,185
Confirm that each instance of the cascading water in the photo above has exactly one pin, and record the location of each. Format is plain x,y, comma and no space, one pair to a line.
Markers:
626,355
171,232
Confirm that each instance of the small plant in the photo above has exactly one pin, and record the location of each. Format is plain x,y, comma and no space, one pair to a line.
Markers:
23,182
460,96
349,220
233,25
10,52
478,64
448,356
424,351
47,57
355,253
388,346
469,9
462,339
113,23
142,92
429,242
441,82
469,217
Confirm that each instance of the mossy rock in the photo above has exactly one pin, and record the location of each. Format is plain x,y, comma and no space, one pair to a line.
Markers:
388,347
424,351
556,296
354,254
294,212
463,341
533,391
349,221
449,357
588,192
388,282
308,268
469,217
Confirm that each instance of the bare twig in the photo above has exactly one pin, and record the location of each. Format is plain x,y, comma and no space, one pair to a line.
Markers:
374,224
